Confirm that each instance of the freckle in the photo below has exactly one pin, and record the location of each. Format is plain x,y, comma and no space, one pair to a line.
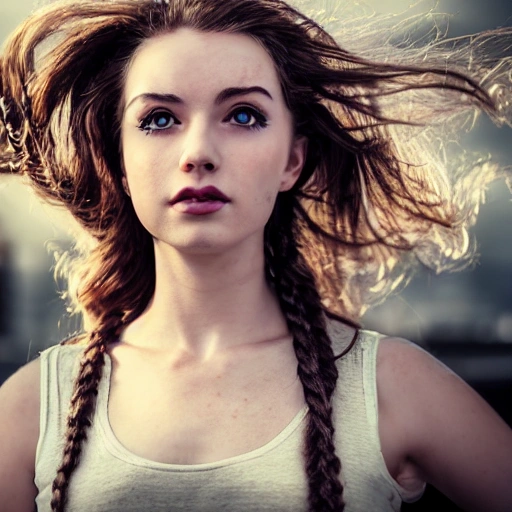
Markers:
218,393
245,399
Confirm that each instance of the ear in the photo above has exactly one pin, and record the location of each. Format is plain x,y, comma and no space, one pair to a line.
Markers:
125,186
295,163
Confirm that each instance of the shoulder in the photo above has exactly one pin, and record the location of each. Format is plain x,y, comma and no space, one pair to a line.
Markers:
19,397
19,432
400,361
432,417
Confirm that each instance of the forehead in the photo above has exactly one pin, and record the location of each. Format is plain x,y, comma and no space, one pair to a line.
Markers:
194,62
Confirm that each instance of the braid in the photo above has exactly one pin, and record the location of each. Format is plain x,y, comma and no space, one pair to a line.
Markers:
82,407
302,307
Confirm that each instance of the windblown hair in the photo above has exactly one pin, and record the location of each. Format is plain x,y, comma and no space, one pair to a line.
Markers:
374,198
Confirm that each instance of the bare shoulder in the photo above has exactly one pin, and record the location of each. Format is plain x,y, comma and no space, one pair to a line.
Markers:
19,432
19,400
452,436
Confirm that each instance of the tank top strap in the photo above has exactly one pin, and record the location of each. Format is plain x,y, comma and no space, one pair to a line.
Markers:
356,416
59,367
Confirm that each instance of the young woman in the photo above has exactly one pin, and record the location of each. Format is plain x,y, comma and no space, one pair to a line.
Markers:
249,187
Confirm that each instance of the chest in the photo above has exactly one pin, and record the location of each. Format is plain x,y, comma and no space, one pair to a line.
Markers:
200,414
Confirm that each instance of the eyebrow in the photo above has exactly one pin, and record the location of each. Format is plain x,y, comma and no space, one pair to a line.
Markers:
223,96
231,92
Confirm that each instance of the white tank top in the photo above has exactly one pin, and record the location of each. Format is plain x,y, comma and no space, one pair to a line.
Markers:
271,478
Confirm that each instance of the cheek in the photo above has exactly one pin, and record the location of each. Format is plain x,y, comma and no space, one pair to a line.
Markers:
269,161
144,170
274,170
262,176
264,197
140,153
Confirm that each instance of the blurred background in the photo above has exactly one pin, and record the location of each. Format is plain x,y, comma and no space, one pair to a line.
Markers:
465,318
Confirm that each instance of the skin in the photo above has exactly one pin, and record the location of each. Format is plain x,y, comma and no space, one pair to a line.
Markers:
215,344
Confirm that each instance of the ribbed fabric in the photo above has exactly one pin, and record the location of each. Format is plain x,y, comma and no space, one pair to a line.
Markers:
271,478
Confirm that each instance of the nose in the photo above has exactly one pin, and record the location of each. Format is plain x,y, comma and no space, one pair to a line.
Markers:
200,152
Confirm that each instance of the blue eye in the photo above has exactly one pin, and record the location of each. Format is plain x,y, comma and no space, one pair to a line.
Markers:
162,121
242,117
158,120
247,117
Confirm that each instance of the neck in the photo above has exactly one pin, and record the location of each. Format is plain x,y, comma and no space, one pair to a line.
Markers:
205,303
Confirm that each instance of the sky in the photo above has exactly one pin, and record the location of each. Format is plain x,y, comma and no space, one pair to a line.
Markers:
471,295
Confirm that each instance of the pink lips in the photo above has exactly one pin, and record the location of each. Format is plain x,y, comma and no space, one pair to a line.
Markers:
199,201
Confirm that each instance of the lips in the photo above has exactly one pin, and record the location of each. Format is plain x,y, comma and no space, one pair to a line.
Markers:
202,195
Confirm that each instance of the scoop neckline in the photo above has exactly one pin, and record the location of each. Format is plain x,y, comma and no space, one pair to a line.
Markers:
118,450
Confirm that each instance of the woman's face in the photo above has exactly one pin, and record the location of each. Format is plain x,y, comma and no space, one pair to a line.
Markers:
207,139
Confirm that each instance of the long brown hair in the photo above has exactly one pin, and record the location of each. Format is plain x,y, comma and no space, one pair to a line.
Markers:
373,197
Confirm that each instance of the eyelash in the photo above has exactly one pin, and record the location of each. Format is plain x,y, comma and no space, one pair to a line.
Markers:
146,121
260,120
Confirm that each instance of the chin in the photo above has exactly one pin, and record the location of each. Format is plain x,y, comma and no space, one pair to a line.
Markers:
196,245
212,241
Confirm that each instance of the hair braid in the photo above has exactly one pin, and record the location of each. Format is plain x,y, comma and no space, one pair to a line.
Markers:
302,307
81,407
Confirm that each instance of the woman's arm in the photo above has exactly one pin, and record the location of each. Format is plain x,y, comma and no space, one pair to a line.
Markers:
451,436
19,432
